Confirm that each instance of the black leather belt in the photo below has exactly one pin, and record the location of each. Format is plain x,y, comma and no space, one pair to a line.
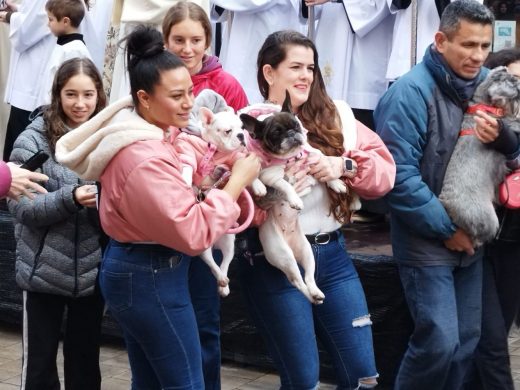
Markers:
323,238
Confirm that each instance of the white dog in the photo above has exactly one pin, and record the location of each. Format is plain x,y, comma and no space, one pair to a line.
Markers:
205,159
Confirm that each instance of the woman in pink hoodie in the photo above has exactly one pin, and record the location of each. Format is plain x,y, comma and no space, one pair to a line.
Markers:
151,215
187,33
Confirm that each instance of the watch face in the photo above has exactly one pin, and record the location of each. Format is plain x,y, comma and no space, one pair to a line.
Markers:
348,165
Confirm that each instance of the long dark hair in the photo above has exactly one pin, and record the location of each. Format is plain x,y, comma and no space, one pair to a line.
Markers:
54,116
146,59
318,114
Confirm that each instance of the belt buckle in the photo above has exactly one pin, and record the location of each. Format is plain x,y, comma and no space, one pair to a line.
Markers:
322,238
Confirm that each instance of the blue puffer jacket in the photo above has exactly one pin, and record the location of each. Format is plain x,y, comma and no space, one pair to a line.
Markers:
419,119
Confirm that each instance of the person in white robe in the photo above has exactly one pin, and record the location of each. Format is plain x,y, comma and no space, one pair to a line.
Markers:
354,41
248,23
133,13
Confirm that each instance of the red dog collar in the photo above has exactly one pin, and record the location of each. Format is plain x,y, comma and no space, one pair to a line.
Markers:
484,107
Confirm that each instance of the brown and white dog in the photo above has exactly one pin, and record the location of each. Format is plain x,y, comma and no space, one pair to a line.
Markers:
278,138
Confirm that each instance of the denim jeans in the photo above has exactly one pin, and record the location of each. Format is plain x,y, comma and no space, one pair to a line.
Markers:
445,305
290,324
146,289
206,303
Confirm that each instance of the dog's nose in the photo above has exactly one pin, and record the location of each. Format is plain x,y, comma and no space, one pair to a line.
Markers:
240,136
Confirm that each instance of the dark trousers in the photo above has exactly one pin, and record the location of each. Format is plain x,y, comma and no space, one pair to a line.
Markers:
18,121
500,303
206,304
43,316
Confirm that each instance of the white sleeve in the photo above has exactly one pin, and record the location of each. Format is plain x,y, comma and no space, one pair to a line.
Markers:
252,6
28,25
364,15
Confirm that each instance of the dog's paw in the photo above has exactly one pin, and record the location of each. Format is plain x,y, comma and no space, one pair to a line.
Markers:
295,202
337,186
259,188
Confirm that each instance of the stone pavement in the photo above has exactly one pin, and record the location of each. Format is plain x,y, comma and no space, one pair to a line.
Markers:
116,373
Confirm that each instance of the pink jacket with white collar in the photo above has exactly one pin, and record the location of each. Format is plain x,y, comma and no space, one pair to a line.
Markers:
143,196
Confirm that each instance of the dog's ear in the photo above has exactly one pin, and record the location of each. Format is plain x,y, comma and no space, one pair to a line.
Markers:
286,106
250,123
206,116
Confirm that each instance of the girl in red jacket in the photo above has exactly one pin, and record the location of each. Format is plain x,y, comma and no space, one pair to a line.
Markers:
187,33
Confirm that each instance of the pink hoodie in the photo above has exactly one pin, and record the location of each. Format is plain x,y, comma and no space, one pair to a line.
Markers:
143,197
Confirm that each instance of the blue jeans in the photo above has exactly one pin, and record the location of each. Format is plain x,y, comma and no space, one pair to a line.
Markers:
146,290
206,303
290,324
445,304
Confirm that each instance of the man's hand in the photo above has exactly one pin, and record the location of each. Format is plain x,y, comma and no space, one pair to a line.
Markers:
487,127
460,242
23,182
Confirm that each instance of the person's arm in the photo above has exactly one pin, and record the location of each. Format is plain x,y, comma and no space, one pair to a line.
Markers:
28,25
179,221
404,132
375,167
249,6
500,135
23,182
46,208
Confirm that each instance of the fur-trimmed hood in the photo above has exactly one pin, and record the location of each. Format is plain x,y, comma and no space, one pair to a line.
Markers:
88,149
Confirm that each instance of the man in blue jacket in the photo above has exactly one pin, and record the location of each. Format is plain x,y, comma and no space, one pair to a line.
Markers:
419,119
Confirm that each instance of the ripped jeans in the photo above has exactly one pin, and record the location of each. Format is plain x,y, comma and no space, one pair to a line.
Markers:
289,323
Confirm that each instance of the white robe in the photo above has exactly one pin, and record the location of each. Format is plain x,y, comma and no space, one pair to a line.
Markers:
135,12
252,22
427,25
353,63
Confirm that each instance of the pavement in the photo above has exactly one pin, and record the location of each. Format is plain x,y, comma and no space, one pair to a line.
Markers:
115,370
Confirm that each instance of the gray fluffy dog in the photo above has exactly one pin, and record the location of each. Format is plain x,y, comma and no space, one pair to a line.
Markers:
475,170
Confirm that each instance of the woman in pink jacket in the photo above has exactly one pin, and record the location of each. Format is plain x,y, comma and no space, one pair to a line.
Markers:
289,323
151,214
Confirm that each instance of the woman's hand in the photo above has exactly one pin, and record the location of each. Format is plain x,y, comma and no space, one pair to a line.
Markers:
86,195
328,168
244,171
297,174
23,182
487,127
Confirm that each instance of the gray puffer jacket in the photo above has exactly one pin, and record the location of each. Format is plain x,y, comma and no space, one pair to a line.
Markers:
57,248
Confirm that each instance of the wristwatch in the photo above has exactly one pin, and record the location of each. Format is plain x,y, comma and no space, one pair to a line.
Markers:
348,168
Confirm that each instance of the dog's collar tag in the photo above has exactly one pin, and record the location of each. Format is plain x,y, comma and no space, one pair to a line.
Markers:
484,107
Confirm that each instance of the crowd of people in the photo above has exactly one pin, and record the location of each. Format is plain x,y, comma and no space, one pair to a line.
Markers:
109,220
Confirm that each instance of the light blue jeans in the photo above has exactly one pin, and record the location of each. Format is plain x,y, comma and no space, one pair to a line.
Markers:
445,304
290,324
146,289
